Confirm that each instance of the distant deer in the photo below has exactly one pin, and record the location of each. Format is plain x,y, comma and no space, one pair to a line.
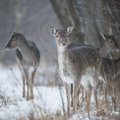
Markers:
28,57
110,47
110,68
78,64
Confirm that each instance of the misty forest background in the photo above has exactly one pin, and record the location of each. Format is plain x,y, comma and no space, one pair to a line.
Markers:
34,17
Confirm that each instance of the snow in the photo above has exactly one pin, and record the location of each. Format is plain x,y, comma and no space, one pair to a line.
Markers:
46,99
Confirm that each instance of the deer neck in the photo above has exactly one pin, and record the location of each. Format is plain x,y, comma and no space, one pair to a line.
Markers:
62,55
104,52
63,66
25,50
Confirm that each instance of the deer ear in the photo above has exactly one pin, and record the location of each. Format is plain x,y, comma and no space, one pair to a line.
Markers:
53,30
103,36
70,29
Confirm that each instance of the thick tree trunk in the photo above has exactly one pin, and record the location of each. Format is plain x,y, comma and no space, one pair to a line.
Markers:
67,15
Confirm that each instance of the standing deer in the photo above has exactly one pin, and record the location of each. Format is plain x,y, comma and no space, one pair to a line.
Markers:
78,64
110,68
28,57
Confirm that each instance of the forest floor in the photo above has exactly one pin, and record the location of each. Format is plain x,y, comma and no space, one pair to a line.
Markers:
47,103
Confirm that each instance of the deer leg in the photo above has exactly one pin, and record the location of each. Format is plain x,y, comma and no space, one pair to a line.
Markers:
23,78
31,84
96,85
76,96
28,89
113,98
95,96
67,87
33,75
95,93
89,93
82,96
72,95
105,94
28,83
31,89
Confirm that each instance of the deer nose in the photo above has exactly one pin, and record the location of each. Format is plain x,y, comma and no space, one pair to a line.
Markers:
7,46
63,44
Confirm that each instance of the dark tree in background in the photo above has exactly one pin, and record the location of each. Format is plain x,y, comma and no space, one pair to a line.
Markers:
90,17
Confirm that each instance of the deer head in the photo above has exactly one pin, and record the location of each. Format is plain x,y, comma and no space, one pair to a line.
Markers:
61,36
16,40
109,45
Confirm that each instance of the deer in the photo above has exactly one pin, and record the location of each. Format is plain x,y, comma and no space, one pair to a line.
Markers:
28,58
110,47
110,67
78,65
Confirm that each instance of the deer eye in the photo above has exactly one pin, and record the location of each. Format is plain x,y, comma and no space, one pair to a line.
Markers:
14,40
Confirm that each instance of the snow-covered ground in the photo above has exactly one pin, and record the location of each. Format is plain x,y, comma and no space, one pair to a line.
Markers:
47,99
